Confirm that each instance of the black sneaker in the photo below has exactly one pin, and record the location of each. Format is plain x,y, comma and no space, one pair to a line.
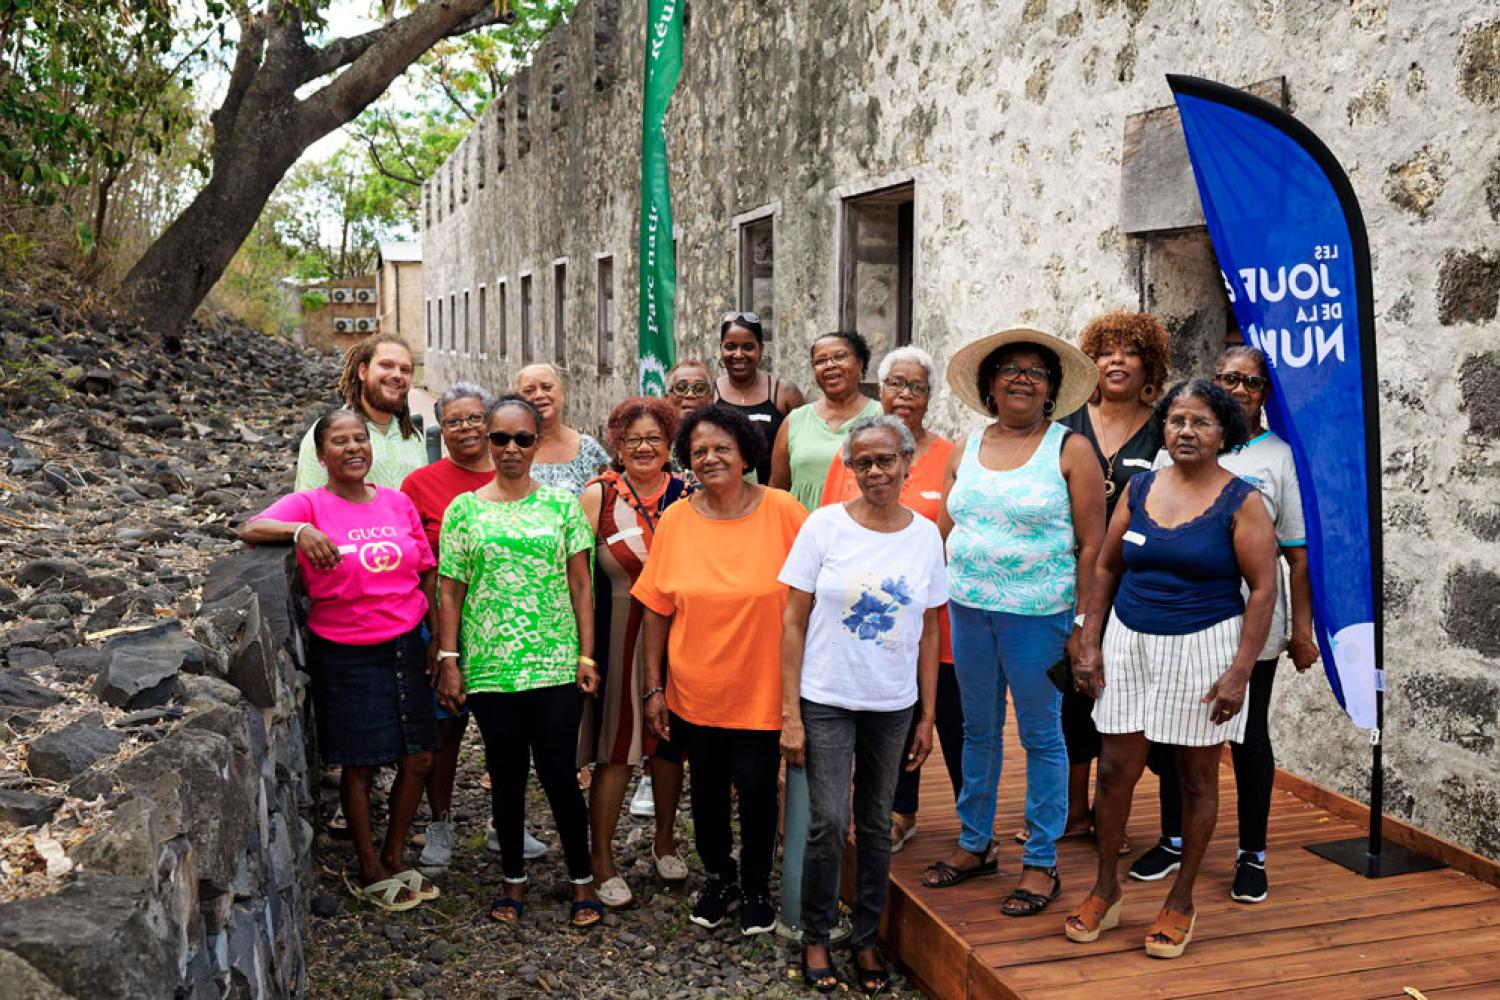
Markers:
1249,879
718,897
756,915
1157,863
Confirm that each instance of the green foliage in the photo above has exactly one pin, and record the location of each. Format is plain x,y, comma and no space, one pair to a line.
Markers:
314,300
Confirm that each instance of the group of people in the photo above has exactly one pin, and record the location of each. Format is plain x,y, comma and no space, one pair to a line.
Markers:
782,594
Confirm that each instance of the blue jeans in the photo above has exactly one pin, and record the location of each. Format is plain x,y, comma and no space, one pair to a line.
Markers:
993,651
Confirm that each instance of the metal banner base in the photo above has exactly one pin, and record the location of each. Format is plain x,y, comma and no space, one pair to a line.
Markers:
1393,859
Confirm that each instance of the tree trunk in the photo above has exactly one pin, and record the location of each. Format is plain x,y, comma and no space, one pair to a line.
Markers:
261,129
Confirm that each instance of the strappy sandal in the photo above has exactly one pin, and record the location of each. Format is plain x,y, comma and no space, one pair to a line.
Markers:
1028,903
900,833
942,875
872,981
1176,927
420,885
813,976
384,894
1095,915
505,910
585,913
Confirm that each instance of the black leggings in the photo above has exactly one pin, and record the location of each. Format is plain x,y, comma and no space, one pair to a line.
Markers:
1254,767
950,731
748,760
541,727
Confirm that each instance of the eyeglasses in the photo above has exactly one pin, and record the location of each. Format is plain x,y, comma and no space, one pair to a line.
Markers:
684,388
649,441
523,440
742,317
887,462
454,423
1012,371
1255,383
1180,422
836,358
900,385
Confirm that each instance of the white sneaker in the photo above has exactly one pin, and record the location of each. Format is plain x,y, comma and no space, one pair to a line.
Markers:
643,804
438,851
531,848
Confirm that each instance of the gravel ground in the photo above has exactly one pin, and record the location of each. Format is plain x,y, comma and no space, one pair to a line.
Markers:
450,948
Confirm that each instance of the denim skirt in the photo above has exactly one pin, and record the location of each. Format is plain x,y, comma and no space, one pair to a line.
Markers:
373,703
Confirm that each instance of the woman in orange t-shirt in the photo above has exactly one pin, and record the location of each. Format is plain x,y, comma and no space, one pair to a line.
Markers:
907,377
713,609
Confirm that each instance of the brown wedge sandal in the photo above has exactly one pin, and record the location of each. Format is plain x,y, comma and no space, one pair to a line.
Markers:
1095,915
1176,927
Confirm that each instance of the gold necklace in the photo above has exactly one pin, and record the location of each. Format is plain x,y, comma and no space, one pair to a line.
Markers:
1109,460
1024,441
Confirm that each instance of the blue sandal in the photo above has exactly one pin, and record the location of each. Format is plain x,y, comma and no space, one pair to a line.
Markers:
585,906
502,903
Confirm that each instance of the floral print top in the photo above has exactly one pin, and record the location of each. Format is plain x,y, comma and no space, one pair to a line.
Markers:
516,631
1011,547
573,476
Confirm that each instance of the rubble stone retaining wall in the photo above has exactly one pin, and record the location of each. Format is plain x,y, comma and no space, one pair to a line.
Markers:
196,885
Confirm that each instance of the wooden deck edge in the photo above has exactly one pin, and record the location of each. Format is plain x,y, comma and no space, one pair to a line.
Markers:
1398,830
935,958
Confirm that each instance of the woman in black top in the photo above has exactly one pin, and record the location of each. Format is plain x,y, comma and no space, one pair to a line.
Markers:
762,397
1133,355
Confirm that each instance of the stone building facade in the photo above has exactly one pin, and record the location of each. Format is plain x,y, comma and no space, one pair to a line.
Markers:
934,171
398,293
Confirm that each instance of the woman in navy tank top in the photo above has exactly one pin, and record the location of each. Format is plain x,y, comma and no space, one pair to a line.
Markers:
1173,664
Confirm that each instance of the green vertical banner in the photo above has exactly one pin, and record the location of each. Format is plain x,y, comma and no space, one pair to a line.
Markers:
658,277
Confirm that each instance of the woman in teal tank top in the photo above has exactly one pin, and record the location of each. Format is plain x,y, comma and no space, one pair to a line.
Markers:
812,434
1023,516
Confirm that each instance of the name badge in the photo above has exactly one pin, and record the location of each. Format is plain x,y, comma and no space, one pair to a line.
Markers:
623,534
932,494
1139,463
1135,538
348,550
764,418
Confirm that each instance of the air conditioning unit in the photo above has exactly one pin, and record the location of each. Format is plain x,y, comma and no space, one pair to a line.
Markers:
342,294
364,295
368,324
343,326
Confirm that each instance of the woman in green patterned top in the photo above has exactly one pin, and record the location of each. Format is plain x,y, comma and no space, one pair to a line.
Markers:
517,604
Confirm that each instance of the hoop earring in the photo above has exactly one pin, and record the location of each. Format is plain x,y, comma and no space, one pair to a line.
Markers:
989,402
1049,406
1149,393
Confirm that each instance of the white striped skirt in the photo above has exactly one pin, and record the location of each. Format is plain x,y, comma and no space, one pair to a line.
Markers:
1154,684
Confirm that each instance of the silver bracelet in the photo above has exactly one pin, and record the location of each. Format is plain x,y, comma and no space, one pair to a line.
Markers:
298,530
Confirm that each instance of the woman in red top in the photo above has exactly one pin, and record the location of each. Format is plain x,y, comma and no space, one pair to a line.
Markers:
460,414
907,377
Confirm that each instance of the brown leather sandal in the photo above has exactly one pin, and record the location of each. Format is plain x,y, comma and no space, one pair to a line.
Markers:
1095,915
1176,927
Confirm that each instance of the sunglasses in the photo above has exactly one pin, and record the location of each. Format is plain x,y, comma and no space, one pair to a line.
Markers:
1255,383
523,440
739,317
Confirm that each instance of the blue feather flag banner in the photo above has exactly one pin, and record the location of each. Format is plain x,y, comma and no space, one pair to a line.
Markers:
1292,248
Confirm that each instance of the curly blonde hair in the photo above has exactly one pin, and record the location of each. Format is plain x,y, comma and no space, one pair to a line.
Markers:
1143,331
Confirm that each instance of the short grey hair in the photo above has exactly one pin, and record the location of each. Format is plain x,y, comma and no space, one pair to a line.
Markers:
462,390
884,422
912,355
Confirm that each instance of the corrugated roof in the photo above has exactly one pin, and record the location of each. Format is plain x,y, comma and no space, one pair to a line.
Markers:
400,252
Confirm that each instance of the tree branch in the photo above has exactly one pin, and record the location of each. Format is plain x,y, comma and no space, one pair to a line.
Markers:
380,167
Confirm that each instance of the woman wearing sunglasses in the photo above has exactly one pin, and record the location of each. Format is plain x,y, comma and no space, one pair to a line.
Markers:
762,397
514,568
1265,462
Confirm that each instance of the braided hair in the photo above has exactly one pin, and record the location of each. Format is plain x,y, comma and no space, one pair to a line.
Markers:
352,390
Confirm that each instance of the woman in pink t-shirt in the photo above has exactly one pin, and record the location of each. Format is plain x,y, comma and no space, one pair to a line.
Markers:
364,559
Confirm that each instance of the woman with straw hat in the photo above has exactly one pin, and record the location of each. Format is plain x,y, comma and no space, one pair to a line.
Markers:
1023,516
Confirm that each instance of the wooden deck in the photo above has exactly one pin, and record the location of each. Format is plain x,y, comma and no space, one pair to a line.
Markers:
1323,933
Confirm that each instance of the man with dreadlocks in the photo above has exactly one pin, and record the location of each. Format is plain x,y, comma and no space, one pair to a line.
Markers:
375,383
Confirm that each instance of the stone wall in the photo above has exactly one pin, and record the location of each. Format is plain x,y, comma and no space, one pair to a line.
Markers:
1010,122
193,882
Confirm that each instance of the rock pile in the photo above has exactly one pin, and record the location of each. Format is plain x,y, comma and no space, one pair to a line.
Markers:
154,784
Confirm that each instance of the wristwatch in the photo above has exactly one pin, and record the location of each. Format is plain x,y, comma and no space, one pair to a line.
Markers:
1078,620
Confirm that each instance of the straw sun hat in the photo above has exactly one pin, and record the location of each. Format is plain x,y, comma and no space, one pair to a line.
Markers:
1079,373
